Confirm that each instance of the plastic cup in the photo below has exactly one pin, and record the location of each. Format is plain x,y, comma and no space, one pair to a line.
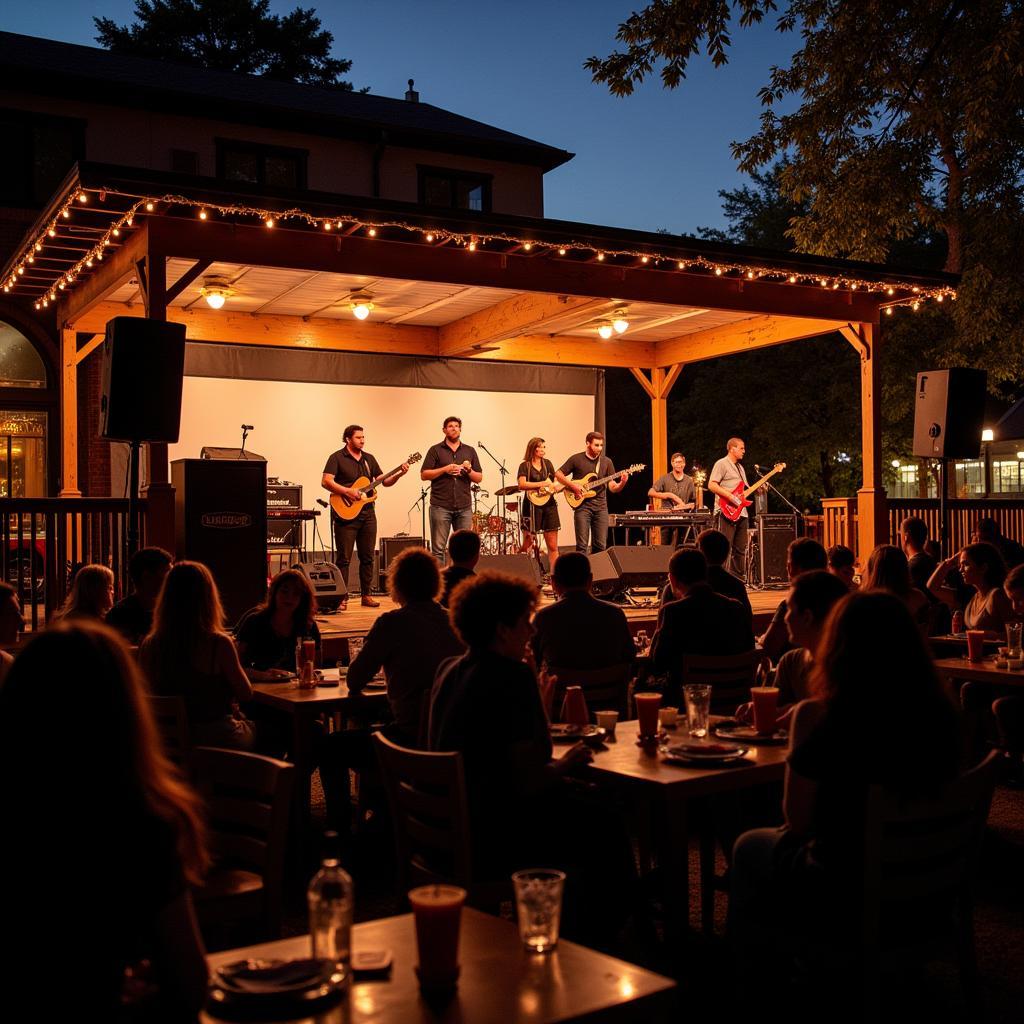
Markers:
975,644
766,708
539,905
309,651
607,720
698,708
437,910
647,705
667,717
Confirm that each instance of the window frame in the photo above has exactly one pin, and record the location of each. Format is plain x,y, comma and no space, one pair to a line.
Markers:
27,120
262,151
454,175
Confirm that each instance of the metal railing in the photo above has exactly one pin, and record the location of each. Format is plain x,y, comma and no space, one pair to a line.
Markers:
43,541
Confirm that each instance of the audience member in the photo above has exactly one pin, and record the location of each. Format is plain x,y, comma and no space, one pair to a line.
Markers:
804,880
841,563
12,622
716,548
987,531
888,570
132,616
268,634
579,631
983,570
188,654
463,555
101,835
409,644
803,555
914,541
698,621
486,704
92,594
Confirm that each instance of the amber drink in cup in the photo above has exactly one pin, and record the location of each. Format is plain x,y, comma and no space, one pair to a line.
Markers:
437,910
766,708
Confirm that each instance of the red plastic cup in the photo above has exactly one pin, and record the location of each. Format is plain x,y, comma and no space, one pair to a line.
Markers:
309,651
437,910
647,705
975,644
766,708
574,706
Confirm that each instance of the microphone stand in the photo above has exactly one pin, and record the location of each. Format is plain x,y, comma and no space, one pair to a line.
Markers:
245,434
422,502
503,542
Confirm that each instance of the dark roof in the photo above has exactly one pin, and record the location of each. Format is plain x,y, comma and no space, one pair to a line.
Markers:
86,72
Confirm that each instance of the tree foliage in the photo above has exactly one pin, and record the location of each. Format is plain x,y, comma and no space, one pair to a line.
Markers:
230,35
897,121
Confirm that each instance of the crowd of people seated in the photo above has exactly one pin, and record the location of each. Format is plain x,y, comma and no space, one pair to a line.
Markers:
474,677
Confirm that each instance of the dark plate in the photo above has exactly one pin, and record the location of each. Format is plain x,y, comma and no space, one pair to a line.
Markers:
748,734
271,989
562,732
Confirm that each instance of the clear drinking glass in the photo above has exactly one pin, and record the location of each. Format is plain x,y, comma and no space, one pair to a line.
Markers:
1013,632
539,903
641,640
698,708
355,645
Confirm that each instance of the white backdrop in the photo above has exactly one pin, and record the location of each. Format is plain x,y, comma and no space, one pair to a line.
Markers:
298,425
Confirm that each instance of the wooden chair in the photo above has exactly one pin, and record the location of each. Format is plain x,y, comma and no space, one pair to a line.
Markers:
605,689
730,677
248,798
172,722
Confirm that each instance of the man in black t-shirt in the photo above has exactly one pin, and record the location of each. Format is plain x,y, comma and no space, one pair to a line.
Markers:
591,518
343,468
451,467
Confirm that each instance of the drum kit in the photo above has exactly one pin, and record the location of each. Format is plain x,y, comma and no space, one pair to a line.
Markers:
499,534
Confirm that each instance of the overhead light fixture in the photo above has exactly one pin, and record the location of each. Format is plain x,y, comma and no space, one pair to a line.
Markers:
987,434
620,320
361,304
216,291
606,330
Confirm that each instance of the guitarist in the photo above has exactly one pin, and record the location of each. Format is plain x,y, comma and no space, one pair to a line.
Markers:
725,475
535,472
343,468
591,518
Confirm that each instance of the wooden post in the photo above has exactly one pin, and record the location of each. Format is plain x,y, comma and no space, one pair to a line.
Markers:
872,509
69,414
658,388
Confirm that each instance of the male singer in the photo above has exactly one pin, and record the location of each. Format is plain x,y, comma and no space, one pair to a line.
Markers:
451,467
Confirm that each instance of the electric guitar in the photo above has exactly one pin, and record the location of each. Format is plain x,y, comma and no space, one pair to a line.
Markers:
733,512
590,481
349,508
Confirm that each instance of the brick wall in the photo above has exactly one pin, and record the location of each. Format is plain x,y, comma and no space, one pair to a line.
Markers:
93,452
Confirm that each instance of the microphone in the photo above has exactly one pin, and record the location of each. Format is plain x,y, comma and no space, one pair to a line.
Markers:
320,501
248,426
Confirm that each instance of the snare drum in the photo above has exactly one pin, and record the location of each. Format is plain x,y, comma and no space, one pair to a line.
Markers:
495,524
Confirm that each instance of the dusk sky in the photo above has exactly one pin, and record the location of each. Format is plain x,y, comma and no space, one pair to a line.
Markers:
653,160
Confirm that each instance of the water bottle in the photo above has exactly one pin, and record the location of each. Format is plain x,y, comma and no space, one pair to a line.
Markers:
330,898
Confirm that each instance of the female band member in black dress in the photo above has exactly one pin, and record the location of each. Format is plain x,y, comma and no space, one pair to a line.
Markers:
536,472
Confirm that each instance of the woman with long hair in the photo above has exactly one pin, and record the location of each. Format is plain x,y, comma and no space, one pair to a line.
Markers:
189,654
983,571
537,472
267,635
888,569
873,688
101,833
92,594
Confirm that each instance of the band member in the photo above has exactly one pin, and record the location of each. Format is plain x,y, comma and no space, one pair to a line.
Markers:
534,472
674,491
726,473
591,518
451,467
343,468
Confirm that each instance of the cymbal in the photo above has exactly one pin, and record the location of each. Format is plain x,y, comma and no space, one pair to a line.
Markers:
506,491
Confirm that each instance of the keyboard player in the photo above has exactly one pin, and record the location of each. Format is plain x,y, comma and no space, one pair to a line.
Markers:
674,491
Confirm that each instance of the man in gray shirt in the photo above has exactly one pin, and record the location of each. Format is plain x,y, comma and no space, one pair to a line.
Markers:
726,474
674,491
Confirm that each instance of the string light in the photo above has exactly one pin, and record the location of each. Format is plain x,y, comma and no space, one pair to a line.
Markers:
271,218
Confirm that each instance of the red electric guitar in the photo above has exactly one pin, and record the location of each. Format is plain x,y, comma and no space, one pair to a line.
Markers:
732,512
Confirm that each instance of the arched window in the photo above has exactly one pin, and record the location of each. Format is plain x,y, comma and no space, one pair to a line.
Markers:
25,409
21,366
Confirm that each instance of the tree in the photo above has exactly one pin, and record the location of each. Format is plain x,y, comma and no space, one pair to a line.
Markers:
230,35
906,118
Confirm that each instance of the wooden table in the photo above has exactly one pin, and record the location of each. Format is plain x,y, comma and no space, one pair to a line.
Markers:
952,669
500,981
303,707
668,787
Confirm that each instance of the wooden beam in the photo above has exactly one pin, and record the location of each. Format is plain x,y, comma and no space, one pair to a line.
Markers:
234,328
872,507
69,414
741,336
105,277
671,319
411,314
511,318
644,381
570,351
670,380
86,350
174,290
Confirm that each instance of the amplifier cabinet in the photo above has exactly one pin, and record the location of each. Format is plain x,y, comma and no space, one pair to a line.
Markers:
774,534
284,495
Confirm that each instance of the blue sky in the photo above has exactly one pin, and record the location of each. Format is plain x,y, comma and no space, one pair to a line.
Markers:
653,160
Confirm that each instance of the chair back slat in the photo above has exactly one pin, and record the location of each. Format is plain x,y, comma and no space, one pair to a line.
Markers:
172,723
730,677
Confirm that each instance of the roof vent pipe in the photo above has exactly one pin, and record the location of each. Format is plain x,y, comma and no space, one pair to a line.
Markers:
412,96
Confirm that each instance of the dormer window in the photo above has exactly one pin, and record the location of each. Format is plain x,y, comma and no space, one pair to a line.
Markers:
455,190
256,164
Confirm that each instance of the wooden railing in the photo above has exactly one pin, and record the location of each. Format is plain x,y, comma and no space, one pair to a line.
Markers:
43,541
839,517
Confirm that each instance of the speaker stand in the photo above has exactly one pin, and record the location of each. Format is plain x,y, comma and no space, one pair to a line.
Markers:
133,497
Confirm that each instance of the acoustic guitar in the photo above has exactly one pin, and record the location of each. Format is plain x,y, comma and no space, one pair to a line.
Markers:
589,482
542,495
349,508
733,512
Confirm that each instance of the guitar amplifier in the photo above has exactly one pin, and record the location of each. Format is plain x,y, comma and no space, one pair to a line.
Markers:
327,582
390,549
774,534
284,495
284,533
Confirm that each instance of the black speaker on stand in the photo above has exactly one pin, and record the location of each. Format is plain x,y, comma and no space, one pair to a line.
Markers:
774,535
